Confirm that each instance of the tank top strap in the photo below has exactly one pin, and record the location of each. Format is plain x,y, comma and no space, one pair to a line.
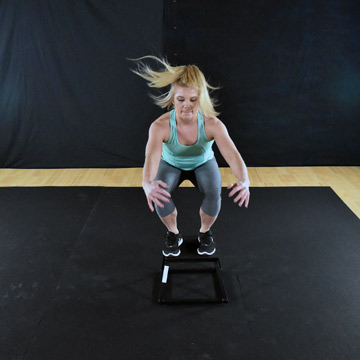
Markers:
173,136
201,123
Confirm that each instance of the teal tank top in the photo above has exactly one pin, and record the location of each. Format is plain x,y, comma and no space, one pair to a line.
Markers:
187,157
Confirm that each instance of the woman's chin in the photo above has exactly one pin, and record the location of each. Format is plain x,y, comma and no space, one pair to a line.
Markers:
187,115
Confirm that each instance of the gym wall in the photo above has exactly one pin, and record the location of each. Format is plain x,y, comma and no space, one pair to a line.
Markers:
289,74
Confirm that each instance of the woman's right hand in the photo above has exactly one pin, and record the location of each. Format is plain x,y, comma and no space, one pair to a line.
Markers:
154,193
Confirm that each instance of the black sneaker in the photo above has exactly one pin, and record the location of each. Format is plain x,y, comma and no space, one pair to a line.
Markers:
172,243
207,245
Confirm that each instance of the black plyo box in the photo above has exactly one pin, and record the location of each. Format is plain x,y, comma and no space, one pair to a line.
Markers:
192,281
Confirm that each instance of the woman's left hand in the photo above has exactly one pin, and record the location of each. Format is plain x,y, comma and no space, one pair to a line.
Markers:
244,195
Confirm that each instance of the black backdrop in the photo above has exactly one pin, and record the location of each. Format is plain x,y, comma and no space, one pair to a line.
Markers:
289,71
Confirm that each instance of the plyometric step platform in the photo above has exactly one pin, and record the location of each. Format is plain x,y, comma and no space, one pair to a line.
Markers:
192,281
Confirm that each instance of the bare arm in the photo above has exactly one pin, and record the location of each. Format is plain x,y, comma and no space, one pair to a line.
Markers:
154,189
217,130
153,152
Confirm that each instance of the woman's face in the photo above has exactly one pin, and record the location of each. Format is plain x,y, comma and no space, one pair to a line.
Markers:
186,102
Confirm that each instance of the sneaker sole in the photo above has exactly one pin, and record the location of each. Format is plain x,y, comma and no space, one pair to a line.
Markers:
205,253
174,254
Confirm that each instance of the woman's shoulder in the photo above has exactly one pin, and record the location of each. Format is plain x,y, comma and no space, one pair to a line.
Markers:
162,121
163,118
212,125
211,121
162,125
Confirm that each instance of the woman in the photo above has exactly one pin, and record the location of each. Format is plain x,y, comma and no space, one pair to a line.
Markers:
179,147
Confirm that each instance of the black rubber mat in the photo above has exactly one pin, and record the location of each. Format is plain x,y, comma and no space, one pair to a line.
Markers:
80,274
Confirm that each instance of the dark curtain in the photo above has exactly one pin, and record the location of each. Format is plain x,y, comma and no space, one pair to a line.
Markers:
67,97
289,71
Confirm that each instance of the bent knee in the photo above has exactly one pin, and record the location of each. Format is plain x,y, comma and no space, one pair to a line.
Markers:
211,204
213,193
168,209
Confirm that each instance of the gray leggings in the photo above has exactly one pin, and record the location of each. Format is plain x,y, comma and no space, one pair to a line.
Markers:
206,178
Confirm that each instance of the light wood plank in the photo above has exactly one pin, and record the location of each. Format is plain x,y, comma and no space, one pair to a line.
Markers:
344,180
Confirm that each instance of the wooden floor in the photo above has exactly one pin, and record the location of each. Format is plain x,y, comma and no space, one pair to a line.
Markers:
345,181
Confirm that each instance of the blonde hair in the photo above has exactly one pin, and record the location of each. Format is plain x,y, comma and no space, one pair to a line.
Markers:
185,75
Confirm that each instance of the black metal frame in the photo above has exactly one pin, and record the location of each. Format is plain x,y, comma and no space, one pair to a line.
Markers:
166,271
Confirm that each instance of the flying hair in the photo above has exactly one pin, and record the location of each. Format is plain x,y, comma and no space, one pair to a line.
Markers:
184,75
